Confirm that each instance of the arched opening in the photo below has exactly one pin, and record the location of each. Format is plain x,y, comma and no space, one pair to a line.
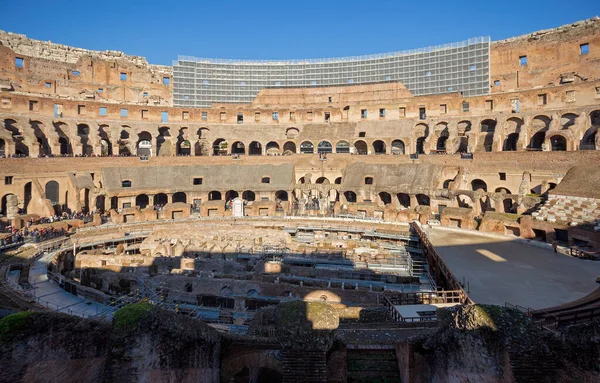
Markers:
20,148
142,201
4,204
558,143
503,190
144,145
423,200
538,128
307,147
361,147
350,196
83,131
291,133
249,195
379,147
289,148
567,120
238,148
272,148
385,198
179,197
507,205
220,147
398,147
421,145
100,201
160,199
324,147
342,147
163,143
52,192
255,148
43,145
446,184
27,195
510,144
114,203
105,148
489,128
338,181
214,195
184,148
84,199
441,144
231,194
124,143
2,148
65,146
322,180
403,199
537,141
281,195
478,184
588,141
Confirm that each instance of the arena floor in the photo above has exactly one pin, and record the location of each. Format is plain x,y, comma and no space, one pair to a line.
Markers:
503,270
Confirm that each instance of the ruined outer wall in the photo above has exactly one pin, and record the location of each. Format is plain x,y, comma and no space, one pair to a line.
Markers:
56,64
550,53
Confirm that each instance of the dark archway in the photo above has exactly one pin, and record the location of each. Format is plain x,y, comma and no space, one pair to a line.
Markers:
588,141
65,147
160,199
478,184
231,194
338,181
361,147
489,128
322,180
289,148
510,144
27,195
2,148
378,147
220,147
184,148
114,203
3,203
238,148
558,143
179,197
423,200
83,131
421,145
272,148
281,195
255,148
385,198
537,141
142,201
403,199
52,192
350,196
100,203
249,195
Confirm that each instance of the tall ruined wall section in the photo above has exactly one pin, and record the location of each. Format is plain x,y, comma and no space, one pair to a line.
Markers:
553,57
55,70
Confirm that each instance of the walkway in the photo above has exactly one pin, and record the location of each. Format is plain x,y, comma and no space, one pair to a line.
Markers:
500,269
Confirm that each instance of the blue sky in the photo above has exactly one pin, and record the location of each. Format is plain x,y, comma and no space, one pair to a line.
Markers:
161,30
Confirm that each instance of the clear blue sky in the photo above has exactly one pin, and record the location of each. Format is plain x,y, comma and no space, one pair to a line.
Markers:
255,29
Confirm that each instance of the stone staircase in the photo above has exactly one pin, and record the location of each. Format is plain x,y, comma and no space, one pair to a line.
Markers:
304,366
379,365
568,209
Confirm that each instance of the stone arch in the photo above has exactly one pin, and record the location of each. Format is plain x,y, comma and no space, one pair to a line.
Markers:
179,197
423,200
238,148
160,199
558,143
324,147
142,201
83,132
350,196
163,142
215,195
342,147
488,129
510,143
477,184
379,147
43,144
361,147
307,147
84,199
220,147
595,118
291,133
338,181
588,141
144,144
272,148
184,147
440,145
538,127
4,204
385,198
231,194
322,180
21,147
398,147
289,148
52,192
281,195
255,148
249,195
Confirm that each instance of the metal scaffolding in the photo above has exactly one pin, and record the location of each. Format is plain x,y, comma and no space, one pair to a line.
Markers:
462,66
